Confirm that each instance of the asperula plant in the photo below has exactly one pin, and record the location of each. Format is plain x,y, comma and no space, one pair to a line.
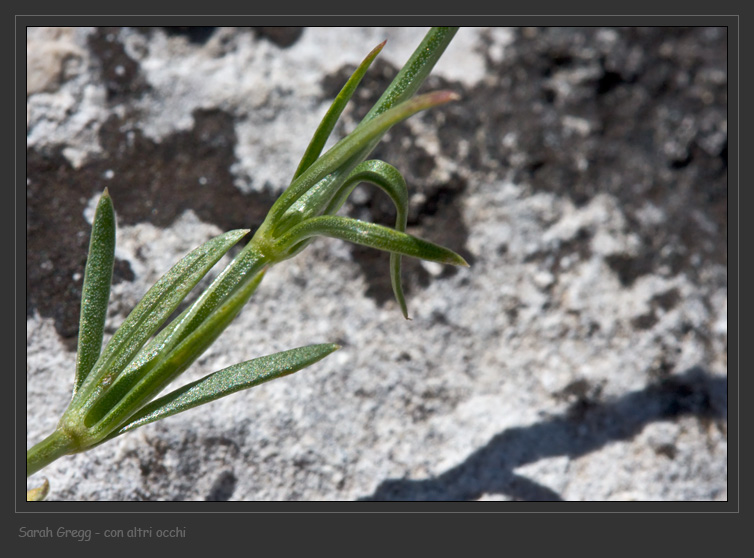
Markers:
117,388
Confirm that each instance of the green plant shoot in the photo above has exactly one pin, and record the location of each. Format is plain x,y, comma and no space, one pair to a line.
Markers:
116,388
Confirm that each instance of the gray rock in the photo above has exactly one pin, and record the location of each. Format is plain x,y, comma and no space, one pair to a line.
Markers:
583,174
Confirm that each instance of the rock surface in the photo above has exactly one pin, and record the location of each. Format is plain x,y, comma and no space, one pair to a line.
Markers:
583,174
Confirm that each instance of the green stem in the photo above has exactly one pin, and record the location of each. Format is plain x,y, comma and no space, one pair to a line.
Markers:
56,445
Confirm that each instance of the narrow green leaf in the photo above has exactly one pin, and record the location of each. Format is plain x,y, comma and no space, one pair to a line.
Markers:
410,78
227,381
221,298
414,71
125,398
381,174
336,108
405,84
372,235
95,292
330,171
314,201
156,306
391,181
345,149
245,267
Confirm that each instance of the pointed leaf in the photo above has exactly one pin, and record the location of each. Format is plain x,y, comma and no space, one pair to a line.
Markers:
227,381
331,117
372,235
95,292
156,306
414,71
353,144
405,84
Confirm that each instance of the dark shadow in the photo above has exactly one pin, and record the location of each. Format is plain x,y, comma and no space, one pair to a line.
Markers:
490,469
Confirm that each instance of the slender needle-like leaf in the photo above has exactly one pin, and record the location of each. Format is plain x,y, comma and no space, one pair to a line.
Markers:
229,380
295,205
415,71
372,235
331,117
245,268
156,306
351,145
121,401
95,292
403,86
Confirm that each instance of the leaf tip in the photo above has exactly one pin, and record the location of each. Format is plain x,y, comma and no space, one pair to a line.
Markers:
451,258
404,308
450,96
238,234
435,98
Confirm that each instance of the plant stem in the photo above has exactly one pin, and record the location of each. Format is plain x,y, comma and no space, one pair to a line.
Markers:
48,450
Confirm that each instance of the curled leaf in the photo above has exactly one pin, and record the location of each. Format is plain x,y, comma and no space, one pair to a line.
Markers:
392,183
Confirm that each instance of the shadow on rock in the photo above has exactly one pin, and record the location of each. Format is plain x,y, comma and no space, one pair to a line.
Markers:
490,469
